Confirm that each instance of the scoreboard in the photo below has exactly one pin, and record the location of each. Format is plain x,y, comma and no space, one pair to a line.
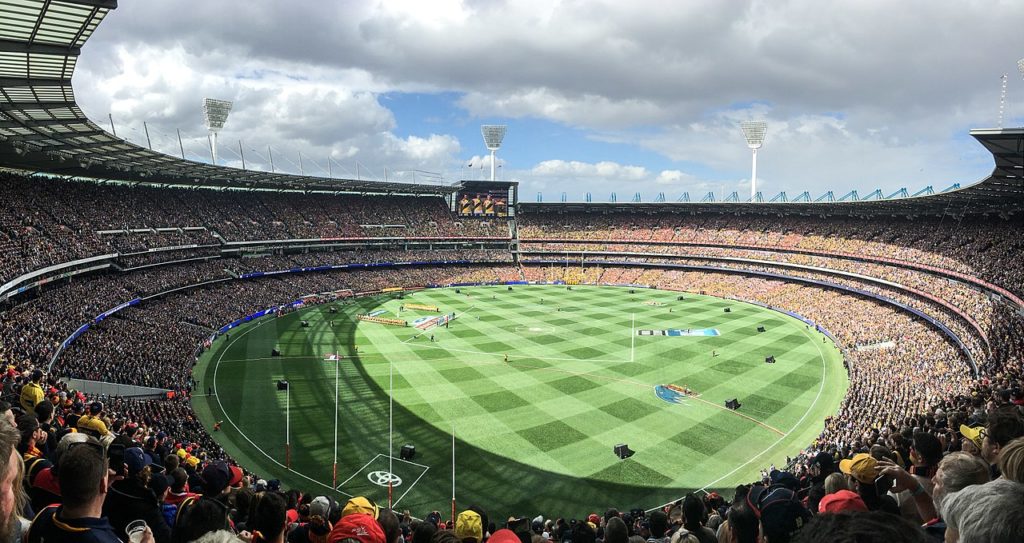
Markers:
485,199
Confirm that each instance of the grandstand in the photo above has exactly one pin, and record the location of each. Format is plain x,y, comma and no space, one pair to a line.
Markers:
122,267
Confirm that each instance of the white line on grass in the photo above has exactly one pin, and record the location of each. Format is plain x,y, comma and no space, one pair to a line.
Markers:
422,473
358,471
216,367
772,446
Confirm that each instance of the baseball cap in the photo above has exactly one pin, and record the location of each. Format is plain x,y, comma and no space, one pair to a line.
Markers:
320,506
778,509
594,518
785,479
95,407
843,500
359,526
862,467
359,504
216,477
973,433
37,374
136,460
468,525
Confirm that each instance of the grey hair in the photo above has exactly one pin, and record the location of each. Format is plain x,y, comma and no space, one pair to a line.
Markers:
961,470
219,536
988,513
835,482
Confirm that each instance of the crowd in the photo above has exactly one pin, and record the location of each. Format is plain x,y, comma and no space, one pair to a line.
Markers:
982,247
46,221
919,450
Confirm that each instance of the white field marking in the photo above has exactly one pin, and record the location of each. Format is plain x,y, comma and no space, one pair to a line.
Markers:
372,460
216,367
358,471
422,473
772,446
410,462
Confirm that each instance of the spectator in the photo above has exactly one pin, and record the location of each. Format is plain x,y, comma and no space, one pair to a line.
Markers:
267,518
83,483
318,524
131,498
12,497
1004,425
205,516
779,511
694,514
863,470
92,424
973,442
867,527
989,513
32,392
363,528
1011,461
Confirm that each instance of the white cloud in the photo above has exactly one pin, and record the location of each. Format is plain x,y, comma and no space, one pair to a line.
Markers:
852,96
576,169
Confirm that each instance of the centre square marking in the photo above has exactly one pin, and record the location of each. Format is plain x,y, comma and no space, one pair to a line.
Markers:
383,478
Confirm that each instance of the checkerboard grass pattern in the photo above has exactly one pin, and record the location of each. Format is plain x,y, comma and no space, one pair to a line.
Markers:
536,433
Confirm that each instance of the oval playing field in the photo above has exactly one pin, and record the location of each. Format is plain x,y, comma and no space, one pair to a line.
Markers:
587,369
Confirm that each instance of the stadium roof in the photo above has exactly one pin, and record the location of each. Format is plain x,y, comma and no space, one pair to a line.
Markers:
1000,194
42,129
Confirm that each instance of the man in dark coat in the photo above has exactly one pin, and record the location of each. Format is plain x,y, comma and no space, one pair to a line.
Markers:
131,498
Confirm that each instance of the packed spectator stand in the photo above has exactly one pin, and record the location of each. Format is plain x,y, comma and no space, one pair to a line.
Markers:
167,247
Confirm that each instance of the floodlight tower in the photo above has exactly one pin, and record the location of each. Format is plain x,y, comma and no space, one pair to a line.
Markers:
753,131
215,112
493,134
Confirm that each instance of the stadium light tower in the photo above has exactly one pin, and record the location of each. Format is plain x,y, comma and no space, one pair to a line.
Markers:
753,131
493,134
215,112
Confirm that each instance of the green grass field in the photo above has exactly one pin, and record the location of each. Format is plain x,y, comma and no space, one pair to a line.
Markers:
534,434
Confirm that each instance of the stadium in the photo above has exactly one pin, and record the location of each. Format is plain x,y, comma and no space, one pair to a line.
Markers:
291,347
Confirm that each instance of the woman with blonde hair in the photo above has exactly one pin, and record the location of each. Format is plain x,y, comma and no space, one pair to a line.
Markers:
835,482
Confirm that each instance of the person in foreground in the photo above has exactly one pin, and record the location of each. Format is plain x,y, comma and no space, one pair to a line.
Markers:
84,482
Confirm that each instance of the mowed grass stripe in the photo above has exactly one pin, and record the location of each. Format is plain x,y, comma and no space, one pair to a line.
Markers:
504,413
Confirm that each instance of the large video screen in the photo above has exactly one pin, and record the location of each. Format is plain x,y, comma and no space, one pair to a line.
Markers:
482,203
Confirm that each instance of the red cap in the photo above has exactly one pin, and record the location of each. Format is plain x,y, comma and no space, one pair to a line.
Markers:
236,475
594,518
358,526
843,500
503,535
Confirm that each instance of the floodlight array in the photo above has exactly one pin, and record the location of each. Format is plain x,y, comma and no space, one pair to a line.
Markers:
493,134
216,113
754,132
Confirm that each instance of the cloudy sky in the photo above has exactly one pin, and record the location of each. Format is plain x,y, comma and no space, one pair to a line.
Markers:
599,96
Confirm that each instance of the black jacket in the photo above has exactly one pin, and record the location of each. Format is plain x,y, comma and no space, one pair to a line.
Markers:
128,500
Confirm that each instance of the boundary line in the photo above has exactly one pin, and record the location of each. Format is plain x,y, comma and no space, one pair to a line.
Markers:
216,367
821,387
